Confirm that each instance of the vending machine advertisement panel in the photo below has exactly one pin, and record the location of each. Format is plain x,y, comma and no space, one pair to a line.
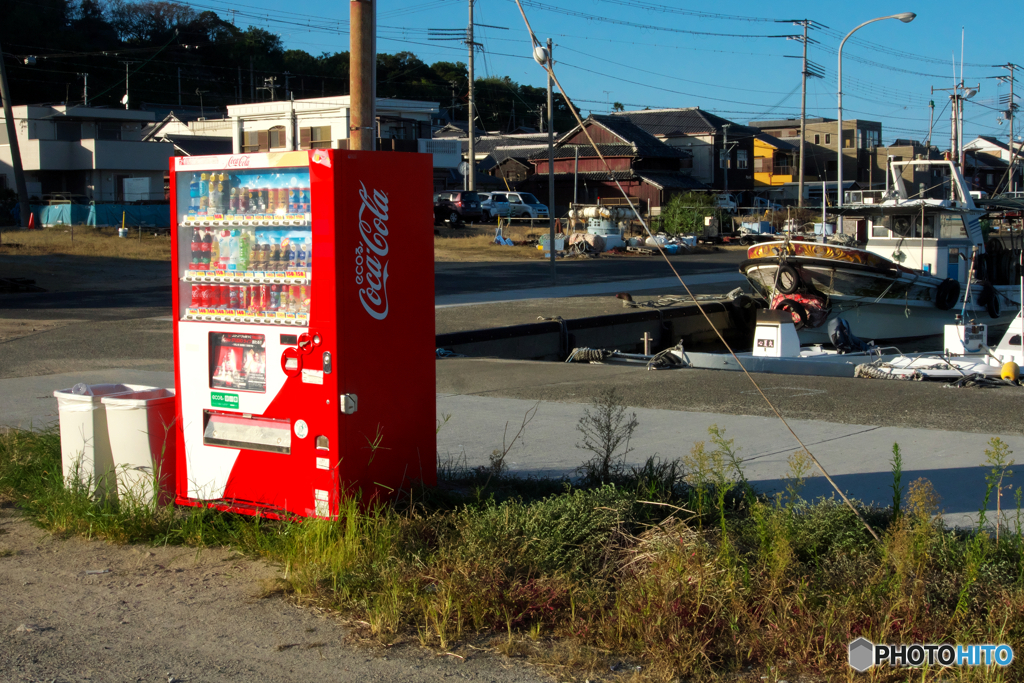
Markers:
304,329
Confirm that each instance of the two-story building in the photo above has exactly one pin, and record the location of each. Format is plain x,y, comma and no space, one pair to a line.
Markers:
323,123
85,152
722,152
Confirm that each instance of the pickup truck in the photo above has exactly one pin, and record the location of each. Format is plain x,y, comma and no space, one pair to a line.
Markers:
726,202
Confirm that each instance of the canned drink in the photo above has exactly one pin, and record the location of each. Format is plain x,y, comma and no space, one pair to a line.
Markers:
304,299
243,297
264,297
294,294
197,296
205,296
225,295
233,297
275,298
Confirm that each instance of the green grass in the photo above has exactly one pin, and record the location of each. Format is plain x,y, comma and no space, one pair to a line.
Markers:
677,566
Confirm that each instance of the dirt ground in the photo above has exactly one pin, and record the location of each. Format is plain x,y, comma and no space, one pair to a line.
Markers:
81,610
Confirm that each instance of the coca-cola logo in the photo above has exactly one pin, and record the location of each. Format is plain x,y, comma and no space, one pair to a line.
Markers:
238,162
371,264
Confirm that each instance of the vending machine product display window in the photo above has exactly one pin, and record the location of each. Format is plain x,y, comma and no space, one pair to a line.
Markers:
299,274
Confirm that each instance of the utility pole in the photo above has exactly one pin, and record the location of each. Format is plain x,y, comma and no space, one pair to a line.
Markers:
472,109
126,65
1010,66
12,138
85,89
239,84
551,166
361,74
179,86
252,80
725,150
803,122
287,76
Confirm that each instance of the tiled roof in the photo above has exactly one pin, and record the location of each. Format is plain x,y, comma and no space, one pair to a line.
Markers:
687,121
666,180
607,149
775,142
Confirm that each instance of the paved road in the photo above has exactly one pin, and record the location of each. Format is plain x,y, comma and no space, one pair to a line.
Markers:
455,278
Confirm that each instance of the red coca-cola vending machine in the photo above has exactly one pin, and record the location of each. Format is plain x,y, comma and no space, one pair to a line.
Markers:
304,329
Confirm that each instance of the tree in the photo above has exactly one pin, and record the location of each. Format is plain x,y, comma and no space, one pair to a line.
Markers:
617,106
684,213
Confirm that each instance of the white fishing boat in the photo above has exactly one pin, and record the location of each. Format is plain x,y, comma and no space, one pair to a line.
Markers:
914,274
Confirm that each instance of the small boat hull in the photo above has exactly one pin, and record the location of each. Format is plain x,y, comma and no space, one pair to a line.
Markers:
880,299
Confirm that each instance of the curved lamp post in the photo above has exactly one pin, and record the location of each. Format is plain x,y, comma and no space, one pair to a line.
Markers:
906,18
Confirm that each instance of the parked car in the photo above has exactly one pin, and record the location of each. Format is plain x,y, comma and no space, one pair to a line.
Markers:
762,204
525,205
456,207
494,204
726,202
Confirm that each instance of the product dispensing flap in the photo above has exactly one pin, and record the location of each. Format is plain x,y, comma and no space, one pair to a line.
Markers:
252,433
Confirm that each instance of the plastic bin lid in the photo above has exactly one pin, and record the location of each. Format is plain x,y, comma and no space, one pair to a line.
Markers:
88,392
139,397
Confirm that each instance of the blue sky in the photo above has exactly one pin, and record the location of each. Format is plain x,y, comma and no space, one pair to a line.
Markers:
659,53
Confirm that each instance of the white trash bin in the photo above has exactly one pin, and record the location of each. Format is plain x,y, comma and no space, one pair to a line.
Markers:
143,444
84,443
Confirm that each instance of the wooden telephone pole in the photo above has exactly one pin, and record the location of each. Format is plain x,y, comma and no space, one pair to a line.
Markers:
12,137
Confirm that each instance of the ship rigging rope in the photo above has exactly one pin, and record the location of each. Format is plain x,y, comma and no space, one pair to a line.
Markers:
535,43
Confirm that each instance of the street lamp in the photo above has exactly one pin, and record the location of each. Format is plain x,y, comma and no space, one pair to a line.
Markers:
906,18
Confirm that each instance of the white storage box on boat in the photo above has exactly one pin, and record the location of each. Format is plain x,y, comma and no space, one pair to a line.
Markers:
84,442
142,444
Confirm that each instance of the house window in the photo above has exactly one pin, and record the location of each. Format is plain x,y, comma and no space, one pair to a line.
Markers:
988,179
817,139
723,158
277,137
879,229
951,226
251,141
741,158
108,131
874,138
70,131
828,138
792,133
781,162
315,137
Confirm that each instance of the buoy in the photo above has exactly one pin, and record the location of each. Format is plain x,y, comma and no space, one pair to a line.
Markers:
1010,371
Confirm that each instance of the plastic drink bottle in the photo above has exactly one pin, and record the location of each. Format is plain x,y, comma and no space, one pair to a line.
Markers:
300,254
225,249
233,250
207,249
213,258
244,250
233,202
197,296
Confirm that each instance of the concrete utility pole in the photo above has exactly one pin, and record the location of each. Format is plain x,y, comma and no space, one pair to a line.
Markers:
12,138
1010,66
472,108
85,89
126,65
551,166
725,148
803,122
360,75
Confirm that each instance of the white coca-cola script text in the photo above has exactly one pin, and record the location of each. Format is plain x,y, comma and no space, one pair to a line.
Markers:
371,262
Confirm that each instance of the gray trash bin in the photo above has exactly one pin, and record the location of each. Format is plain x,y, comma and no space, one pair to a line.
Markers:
84,443
143,444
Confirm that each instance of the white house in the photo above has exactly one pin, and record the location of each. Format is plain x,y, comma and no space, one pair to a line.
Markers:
85,151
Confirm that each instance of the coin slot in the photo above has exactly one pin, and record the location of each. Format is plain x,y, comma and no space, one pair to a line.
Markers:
322,444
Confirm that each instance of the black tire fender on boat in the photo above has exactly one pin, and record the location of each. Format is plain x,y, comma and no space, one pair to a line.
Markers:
794,279
947,294
992,304
794,307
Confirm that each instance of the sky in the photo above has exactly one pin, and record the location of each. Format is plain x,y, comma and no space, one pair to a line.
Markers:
721,57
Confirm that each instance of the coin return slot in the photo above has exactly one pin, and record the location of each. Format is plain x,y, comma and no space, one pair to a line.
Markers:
291,363
322,444
251,433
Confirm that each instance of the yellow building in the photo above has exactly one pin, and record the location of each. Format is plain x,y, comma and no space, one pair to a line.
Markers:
775,161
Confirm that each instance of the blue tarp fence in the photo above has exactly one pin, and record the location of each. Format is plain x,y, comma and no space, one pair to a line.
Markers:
147,215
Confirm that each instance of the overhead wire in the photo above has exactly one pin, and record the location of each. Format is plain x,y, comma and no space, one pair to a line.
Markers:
550,71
